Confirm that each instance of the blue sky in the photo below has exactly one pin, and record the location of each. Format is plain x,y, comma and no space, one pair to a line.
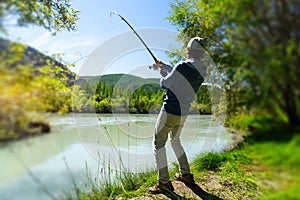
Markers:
95,27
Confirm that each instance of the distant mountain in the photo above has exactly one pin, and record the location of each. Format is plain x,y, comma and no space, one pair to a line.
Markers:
30,56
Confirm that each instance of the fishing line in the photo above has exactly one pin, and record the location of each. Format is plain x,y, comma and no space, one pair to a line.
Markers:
111,21
113,146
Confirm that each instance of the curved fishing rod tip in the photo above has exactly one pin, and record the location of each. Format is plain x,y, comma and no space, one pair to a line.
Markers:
113,13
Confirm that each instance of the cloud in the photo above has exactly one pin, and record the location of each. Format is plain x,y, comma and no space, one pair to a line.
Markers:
76,44
41,40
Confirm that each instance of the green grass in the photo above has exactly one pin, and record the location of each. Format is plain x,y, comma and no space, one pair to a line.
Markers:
281,178
110,184
259,170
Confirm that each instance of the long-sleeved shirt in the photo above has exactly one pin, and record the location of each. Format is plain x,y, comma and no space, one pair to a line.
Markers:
181,84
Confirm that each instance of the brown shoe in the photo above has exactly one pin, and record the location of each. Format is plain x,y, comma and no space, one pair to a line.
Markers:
161,188
186,179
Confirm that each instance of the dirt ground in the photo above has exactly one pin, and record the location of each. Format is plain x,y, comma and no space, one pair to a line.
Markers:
213,187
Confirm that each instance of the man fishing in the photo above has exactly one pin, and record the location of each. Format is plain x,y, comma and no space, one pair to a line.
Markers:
181,83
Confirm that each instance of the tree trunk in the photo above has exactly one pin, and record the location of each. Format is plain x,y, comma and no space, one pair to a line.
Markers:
293,116
291,107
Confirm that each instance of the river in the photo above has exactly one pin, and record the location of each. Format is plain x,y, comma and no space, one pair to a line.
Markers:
46,166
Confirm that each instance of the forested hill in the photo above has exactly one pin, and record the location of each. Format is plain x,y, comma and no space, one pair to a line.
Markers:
121,80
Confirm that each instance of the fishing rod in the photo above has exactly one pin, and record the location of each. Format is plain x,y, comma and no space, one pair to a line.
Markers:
115,13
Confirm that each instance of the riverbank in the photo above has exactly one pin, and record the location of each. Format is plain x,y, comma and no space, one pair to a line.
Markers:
261,170
32,128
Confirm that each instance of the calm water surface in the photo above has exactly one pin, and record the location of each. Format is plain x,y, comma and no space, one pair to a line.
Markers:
45,166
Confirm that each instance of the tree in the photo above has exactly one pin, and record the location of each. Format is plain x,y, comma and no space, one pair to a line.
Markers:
53,15
257,45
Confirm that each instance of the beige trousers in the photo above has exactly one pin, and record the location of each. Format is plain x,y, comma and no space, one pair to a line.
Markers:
169,124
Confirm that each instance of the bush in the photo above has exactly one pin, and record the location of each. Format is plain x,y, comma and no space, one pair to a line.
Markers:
214,161
210,161
25,94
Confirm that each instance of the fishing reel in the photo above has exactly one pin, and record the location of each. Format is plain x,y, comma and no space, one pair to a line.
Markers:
156,67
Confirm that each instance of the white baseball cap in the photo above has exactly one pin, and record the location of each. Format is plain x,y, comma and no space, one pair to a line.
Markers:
196,43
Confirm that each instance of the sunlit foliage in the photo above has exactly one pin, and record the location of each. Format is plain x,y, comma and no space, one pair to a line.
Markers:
53,15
